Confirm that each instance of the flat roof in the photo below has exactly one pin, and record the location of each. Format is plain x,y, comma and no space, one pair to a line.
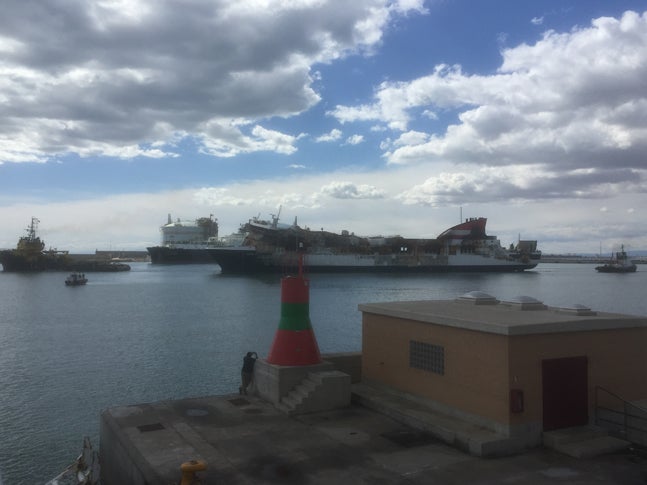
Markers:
524,316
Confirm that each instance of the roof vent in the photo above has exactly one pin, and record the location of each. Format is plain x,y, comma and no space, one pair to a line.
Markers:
523,302
577,309
477,298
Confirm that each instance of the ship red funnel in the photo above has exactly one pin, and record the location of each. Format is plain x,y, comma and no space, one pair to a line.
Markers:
294,342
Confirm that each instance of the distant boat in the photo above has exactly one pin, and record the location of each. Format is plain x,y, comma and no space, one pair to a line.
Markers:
620,263
76,279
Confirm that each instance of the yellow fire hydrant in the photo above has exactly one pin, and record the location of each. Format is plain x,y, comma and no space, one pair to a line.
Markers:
189,468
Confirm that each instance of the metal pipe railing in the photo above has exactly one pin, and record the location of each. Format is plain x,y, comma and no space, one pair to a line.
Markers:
625,413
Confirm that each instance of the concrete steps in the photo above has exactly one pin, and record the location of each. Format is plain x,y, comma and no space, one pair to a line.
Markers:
319,391
474,439
297,399
583,442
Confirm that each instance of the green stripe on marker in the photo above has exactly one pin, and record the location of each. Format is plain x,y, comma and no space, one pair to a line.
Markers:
295,316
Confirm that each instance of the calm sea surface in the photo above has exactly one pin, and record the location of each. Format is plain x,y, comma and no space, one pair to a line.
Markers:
160,332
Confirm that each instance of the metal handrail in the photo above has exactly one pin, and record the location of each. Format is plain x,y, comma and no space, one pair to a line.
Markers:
619,398
625,414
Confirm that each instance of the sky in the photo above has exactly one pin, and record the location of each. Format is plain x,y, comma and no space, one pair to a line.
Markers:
379,117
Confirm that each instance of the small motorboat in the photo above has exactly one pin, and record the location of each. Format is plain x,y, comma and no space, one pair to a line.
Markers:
76,279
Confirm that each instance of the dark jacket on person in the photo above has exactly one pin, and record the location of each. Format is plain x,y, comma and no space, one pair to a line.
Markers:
248,362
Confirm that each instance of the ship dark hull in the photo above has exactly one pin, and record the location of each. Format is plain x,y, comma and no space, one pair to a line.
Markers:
616,269
14,262
167,255
248,261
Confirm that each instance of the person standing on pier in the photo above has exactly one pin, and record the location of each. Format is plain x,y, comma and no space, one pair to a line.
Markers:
247,372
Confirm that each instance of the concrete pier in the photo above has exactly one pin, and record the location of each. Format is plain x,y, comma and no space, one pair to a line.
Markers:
470,390
379,437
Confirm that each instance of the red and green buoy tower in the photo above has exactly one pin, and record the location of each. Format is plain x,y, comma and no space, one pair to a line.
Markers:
294,342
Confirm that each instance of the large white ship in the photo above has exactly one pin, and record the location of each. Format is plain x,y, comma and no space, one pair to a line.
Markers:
188,241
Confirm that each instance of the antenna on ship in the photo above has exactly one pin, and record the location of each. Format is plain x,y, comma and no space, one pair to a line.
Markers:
33,227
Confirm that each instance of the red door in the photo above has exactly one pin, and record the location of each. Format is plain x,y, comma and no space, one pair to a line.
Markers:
565,396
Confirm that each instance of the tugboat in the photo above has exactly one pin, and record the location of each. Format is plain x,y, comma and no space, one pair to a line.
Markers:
76,279
30,255
618,264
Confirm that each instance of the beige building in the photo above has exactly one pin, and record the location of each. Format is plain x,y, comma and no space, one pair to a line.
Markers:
518,368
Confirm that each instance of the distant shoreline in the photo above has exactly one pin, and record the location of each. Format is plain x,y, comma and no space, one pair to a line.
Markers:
574,258
117,256
143,256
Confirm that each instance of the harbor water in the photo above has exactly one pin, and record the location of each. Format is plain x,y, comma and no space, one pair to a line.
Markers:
166,332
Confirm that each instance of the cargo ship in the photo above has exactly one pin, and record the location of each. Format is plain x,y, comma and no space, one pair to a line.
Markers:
30,255
270,246
186,242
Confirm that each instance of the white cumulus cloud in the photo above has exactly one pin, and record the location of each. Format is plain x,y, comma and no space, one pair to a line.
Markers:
570,101
349,190
96,77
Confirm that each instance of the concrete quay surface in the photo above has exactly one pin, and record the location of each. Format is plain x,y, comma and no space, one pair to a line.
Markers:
246,440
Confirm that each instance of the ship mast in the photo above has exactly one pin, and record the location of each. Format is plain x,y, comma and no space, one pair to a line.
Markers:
275,218
31,230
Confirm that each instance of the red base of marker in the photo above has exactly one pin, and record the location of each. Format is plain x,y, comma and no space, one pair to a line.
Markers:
294,347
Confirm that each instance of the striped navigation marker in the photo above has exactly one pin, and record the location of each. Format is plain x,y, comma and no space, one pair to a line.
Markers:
294,342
